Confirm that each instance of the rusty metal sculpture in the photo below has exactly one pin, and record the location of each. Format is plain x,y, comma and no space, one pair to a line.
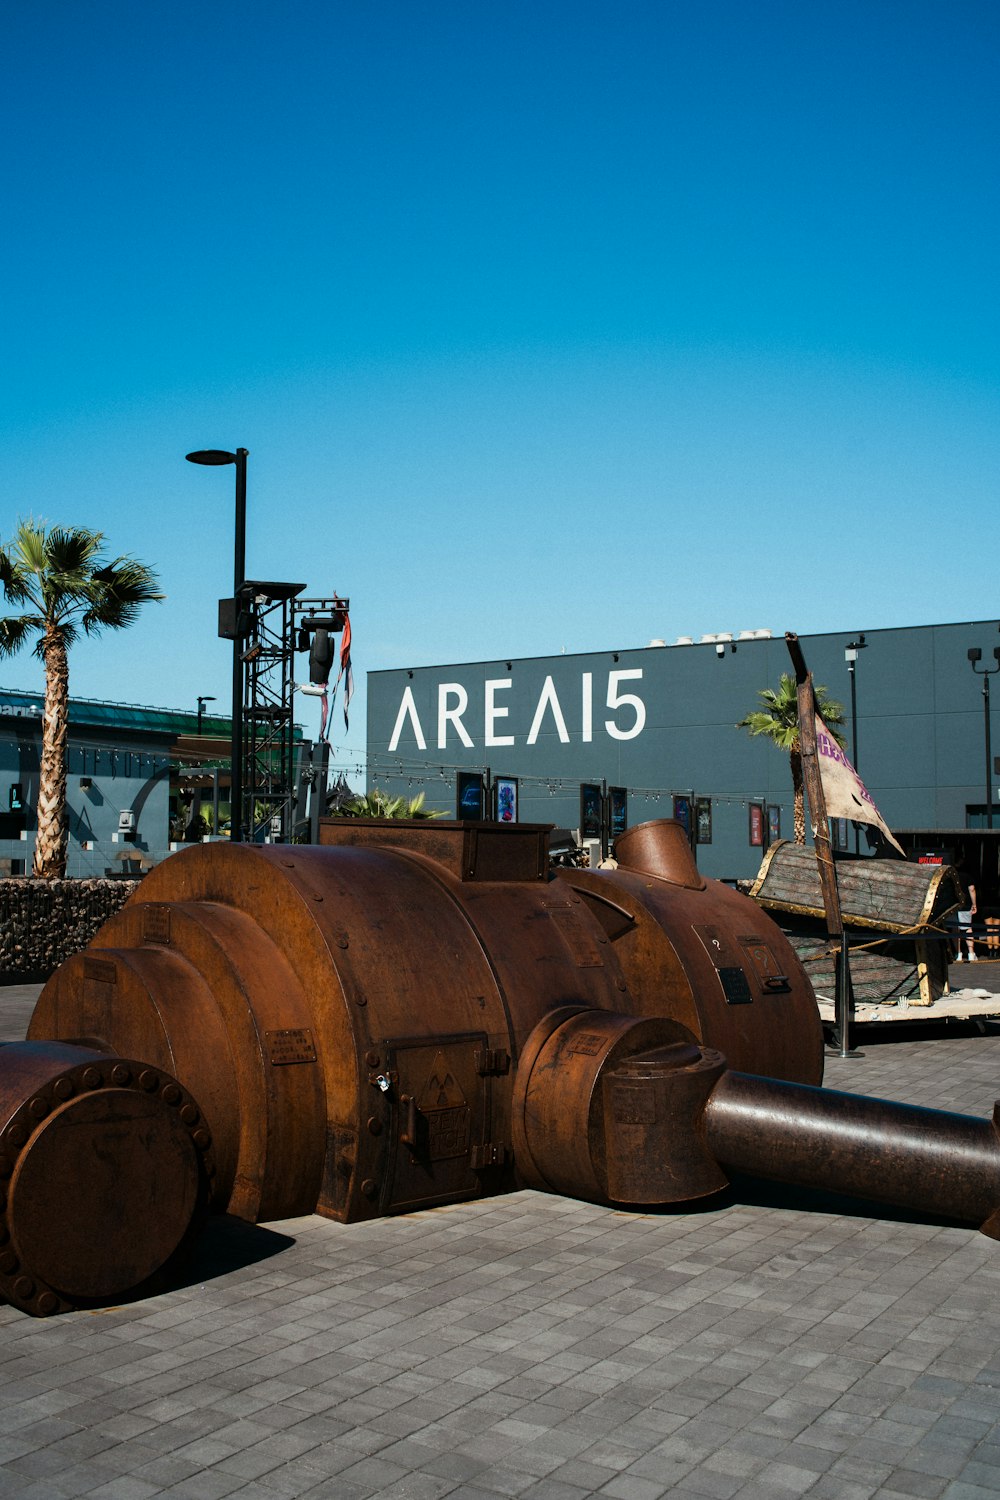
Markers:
415,1014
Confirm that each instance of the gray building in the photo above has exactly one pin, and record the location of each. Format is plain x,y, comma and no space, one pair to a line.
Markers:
655,728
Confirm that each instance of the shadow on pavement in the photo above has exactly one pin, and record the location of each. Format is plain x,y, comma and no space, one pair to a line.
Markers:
225,1245
758,1192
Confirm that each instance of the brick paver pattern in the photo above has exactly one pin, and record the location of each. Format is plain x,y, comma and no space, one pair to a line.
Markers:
775,1343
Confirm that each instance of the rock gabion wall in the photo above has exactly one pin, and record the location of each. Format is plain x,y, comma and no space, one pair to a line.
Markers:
42,922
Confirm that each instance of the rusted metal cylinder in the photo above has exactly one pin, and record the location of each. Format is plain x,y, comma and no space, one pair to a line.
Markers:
700,952
352,1017
921,1159
105,1163
200,989
412,1014
606,1107
660,847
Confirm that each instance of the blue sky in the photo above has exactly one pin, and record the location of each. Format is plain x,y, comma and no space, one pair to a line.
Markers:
547,325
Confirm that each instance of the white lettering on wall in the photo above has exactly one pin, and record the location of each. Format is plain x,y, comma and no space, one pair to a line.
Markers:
408,710
627,709
447,690
621,700
493,712
548,699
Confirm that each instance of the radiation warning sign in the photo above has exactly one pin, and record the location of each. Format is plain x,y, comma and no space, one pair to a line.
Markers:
446,1110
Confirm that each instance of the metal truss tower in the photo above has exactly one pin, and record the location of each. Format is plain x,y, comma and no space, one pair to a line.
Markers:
274,623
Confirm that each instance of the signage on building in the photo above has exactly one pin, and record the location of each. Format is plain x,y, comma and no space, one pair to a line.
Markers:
605,707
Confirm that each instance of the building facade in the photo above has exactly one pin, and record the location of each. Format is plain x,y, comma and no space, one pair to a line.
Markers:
128,769
651,732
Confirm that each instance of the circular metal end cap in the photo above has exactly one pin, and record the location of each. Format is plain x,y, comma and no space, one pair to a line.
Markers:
103,1175
104,1193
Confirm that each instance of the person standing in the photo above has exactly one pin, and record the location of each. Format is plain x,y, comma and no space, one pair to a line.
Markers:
965,928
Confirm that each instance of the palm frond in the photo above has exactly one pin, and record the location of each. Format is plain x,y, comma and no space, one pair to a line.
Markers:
29,545
12,579
778,716
116,593
71,552
762,721
15,630
831,712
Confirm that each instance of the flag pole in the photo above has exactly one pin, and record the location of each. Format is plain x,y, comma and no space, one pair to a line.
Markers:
821,840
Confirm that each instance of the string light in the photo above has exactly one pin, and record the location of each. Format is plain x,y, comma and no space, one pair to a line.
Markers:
413,771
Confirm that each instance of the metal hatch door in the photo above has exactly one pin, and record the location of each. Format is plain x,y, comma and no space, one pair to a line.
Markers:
439,1117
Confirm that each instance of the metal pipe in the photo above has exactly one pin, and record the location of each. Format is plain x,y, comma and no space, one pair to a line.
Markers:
923,1159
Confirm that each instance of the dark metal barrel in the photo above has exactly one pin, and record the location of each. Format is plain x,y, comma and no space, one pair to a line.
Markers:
923,1159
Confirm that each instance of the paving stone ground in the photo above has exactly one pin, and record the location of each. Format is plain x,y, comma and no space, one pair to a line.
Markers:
775,1344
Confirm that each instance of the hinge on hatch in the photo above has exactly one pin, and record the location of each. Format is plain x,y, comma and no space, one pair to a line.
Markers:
490,1155
492,1061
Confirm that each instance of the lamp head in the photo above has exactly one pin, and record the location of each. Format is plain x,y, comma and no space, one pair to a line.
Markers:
211,456
974,654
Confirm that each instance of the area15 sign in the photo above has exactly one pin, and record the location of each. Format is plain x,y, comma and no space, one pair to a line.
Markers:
627,713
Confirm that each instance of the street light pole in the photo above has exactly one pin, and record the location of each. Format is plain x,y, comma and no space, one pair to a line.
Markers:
213,457
203,698
975,656
851,657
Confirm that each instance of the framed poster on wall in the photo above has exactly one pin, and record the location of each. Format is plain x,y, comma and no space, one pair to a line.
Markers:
703,820
618,799
470,796
756,825
506,795
773,823
682,812
590,810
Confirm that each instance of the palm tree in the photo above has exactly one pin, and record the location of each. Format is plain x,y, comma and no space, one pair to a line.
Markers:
62,576
778,720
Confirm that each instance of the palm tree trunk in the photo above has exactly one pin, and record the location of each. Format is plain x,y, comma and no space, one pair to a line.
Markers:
800,801
51,837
